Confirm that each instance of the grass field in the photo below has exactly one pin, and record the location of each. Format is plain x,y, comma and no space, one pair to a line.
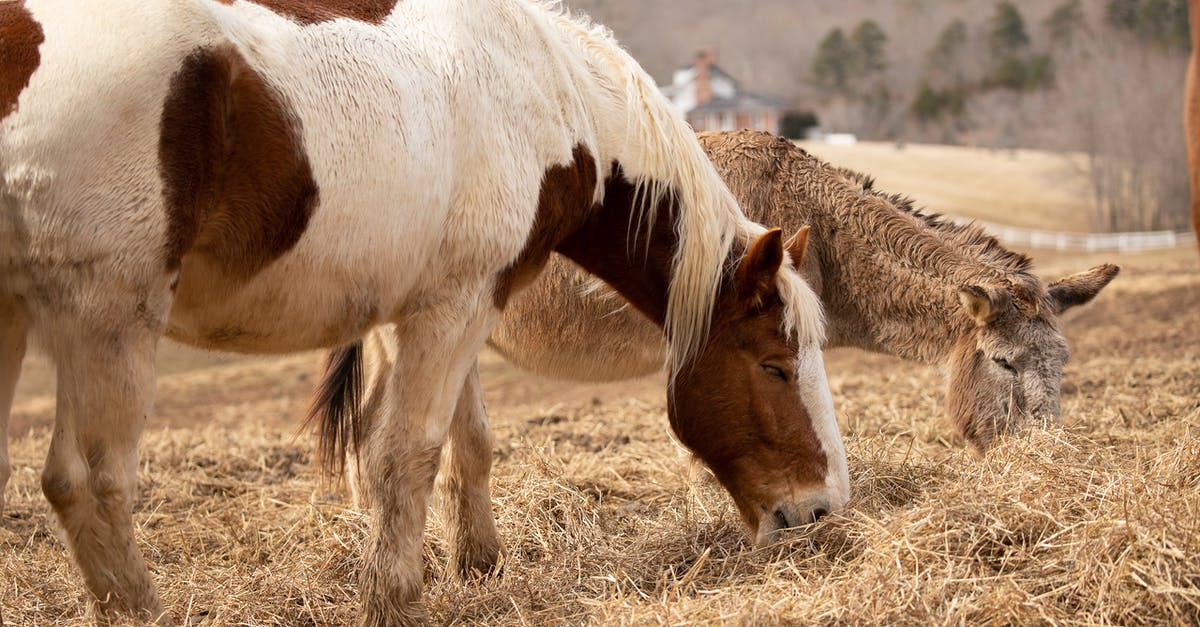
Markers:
605,520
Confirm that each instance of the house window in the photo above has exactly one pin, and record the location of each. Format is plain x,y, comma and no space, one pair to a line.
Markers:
727,121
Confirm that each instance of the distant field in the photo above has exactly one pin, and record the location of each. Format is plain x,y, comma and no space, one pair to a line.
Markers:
1026,188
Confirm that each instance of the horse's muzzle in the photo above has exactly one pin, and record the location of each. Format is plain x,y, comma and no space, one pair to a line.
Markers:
790,515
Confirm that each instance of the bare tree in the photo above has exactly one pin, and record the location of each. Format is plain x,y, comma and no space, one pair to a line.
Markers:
1123,100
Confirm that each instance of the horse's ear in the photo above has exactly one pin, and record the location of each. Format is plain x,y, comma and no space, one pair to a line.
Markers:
797,245
756,274
983,305
1079,288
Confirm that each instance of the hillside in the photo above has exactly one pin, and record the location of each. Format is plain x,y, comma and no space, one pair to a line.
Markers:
770,44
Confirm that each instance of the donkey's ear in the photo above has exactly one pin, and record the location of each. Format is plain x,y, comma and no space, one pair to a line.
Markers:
756,274
983,305
797,245
1078,289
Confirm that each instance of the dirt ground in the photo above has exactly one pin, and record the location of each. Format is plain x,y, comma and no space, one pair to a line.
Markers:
606,520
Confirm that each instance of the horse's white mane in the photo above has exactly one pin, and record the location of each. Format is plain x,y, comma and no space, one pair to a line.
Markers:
662,156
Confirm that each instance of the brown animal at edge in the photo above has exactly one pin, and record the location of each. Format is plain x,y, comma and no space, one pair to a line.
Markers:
1191,115
892,280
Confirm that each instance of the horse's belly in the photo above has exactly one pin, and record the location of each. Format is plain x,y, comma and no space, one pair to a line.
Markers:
285,309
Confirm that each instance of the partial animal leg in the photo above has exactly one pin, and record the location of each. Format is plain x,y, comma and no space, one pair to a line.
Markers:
473,538
105,395
401,456
13,330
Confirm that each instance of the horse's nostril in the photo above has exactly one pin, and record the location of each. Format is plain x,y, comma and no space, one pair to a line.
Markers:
781,519
818,513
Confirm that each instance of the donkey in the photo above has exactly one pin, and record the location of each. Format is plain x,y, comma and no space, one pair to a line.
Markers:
1191,114
280,176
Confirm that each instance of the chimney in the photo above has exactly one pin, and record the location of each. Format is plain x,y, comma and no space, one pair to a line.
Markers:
703,66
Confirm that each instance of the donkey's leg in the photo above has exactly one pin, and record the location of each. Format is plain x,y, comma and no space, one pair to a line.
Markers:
401,456
473,538
105,394
13,330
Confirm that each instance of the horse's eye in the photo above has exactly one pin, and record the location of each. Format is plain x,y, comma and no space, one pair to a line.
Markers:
1004,363
775,372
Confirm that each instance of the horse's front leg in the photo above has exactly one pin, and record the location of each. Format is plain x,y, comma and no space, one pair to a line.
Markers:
13,330
105,395
473,538
400,460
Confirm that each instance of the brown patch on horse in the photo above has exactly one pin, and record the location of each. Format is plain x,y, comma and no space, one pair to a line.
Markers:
564,203
238,185
20,37
308,12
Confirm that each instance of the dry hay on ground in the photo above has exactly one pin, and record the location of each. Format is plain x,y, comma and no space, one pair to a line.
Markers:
605,521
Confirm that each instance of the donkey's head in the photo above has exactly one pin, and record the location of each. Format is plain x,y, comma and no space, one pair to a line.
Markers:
754,403
1006,369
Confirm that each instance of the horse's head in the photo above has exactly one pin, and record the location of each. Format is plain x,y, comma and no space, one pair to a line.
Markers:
754,403
1006,370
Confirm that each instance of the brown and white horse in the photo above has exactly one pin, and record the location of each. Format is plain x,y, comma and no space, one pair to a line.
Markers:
276,176
1191,114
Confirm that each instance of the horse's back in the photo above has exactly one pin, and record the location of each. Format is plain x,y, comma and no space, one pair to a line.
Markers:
304,177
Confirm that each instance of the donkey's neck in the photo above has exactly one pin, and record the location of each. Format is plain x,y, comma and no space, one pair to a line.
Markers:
888,277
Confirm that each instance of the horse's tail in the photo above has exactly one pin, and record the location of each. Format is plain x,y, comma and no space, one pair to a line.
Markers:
336,411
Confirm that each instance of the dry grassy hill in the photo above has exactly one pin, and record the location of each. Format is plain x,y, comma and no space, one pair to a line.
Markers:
606,521
1026,188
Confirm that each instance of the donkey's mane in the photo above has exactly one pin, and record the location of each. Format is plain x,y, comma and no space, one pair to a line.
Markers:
664,161
964,234
925,243
975,255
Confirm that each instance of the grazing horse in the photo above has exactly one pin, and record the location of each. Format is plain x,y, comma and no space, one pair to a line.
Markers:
279,176
1191,114
892,280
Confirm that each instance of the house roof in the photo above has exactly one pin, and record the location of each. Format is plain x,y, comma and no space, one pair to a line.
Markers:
714,71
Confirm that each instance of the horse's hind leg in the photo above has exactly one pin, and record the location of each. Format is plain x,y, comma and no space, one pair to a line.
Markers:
473,538
105,394
13,330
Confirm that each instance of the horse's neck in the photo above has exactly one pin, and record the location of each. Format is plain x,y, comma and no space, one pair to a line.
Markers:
633,258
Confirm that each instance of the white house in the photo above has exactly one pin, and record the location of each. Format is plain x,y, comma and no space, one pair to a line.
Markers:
711,100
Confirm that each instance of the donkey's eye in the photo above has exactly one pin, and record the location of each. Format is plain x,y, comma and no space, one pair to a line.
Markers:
775,372
1004,363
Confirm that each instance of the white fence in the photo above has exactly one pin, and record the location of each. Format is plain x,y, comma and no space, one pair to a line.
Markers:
1099,242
